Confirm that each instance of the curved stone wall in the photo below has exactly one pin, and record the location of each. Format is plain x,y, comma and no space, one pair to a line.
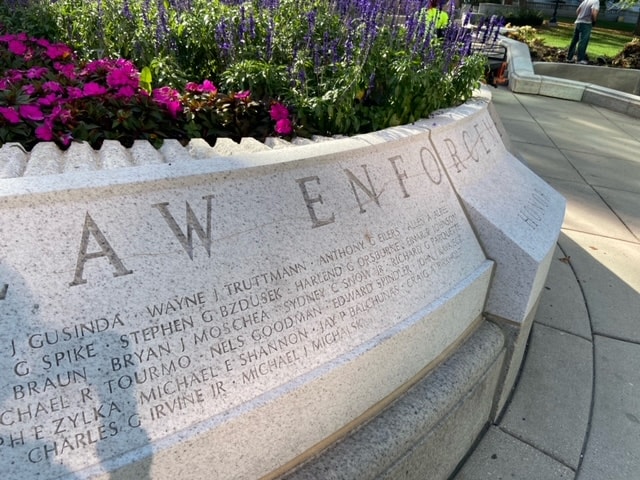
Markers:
197,313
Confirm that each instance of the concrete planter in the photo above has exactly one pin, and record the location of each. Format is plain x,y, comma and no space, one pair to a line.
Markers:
351,308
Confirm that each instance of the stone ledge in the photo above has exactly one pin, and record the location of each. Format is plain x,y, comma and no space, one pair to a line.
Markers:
405,197
524,79
428,430
47,159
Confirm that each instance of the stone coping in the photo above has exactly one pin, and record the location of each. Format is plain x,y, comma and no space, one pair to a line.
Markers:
523,79
497,249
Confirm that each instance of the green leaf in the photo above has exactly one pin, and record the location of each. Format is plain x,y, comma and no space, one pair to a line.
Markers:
146,79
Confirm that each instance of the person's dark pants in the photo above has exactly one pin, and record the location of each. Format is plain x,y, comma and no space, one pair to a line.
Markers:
581,35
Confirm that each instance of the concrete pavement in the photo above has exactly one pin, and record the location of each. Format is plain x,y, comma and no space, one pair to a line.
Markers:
575,412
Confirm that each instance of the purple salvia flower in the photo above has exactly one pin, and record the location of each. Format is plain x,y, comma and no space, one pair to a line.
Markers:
252,26
162,29
126,10
269,40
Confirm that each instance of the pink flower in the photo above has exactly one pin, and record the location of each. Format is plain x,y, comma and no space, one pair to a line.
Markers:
74,92
58,50
66,69
31,112
22,36
206,87
29,89
170,98
209,87
243,96
10,115
53,87
284,127
66,139
95,66
48,100
17,47
44,132
43,42
36,73
126,92
124,75
93,89
193,87
278,112
165,94
59,113
14,76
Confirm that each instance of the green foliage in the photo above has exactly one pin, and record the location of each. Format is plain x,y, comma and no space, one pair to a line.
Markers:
522,17
342,66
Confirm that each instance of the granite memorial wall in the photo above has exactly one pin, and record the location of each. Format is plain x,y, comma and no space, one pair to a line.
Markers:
221,318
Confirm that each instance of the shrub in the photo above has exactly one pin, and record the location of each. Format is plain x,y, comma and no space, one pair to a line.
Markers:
525,17
46,95
343,66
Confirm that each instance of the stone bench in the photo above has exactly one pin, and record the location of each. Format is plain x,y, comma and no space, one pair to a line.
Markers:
356,307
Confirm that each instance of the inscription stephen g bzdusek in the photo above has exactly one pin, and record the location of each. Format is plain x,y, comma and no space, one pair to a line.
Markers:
139,371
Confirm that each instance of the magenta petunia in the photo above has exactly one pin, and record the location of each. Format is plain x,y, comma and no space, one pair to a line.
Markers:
209,87
61,114
29,89
31,112
14,36
48,100
44,132
17,47
170,98
126,92
165,94
278,112
14,76
10,115
67,70
74,92
244,95
58,50
173,108
284,127
36,73
124,75
93,89
66,139
193,87
53,87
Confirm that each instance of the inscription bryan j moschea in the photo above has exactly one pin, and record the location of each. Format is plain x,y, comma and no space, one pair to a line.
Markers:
134,312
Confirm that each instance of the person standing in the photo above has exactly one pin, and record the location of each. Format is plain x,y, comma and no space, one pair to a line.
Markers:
587,13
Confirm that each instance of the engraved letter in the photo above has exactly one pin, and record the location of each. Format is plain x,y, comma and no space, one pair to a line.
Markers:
487,150
436,178
471,145
353,180
454,154
192,224
400,176
3,291
310,201
90,228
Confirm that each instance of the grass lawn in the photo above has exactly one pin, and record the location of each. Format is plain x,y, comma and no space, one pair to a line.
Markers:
607,38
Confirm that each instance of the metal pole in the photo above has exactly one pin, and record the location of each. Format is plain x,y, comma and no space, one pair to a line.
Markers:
554,20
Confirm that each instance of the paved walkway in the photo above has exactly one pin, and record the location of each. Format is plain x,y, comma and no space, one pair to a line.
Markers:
575,412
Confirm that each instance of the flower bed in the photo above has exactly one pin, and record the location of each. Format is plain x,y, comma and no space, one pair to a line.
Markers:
290,68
